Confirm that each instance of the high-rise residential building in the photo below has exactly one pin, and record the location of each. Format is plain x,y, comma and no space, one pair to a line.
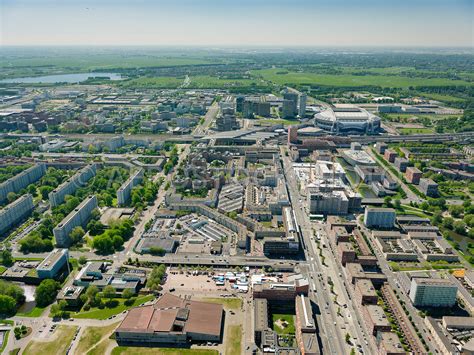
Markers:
302,105
15,212
69,187
78,217
239,103
427,292
22,180
125,191
379,217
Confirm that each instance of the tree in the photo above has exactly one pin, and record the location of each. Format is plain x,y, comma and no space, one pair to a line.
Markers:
62,305
459,227
77,234
437,218
157,251
456,210
12,290
82,260
11,196
95,227
91,292
7,259
448,222
387,201
128,293
109,292
103,244
7,305
46,292
348,338
397,204
155,278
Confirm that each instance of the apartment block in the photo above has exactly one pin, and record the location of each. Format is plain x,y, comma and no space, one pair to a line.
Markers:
413,175
375,319
390,155
78,217
364,292
428,187
69,187
401,164
15,212
124,193
22,180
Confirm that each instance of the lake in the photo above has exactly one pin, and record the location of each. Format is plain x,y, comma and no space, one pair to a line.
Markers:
61,78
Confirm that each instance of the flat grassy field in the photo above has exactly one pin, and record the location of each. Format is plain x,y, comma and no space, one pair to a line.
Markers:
234,340
92,336
195,82
415,130
284,77
289,318
62,338
122,350
279,121
97,313
34,312
228,303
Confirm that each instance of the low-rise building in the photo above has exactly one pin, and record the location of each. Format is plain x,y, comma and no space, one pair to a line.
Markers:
364,292
389,344
71,294
375,319
401,164
346,253
390,155
50,267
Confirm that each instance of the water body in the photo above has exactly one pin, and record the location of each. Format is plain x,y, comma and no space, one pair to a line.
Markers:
61,78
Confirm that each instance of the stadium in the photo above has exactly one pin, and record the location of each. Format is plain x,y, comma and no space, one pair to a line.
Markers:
347,119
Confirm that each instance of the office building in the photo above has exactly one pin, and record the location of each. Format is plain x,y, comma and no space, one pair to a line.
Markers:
290,105
69,187
379,217
15,212
226,122
72,295
172,320
125,191
302,105
78,217
50,267
427,292
413,175
428,187
22,180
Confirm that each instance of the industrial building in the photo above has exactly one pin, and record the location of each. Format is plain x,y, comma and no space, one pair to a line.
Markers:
50,267
15,212
379,217
78,217
346,119
22,180
427,292
125,191
69,187
172,320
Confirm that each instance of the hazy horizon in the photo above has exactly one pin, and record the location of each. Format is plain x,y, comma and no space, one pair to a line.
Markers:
245,23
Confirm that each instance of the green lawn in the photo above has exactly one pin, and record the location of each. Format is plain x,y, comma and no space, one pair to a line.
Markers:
62,338
122,350
228,303
283,77
415,130
97,313
2,269
92,336
289,318
279,121
34,312
234,340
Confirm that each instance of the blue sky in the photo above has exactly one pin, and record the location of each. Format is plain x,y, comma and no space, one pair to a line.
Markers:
238,22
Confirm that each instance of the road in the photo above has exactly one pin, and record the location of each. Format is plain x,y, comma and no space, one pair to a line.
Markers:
211,114
331,325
